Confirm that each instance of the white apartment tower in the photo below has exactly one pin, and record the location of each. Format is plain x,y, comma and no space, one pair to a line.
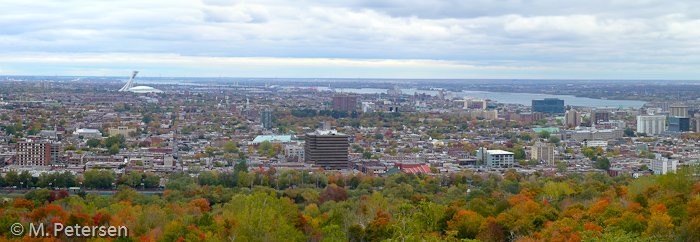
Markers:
651,124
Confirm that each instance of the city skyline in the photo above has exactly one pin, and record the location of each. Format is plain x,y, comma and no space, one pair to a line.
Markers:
353,39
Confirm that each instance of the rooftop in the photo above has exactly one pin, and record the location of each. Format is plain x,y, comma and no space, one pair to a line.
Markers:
499,152
271,138
328,132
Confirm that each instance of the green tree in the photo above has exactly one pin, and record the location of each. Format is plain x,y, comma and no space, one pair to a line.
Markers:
210,151
602,163
264,217
208,178
240,167
544,134
12,178
10,130
378,136
147,118
230,147
113,150
519,154
93,142
99,179
152,181
562,167
554,140
265,145
38,196
26,178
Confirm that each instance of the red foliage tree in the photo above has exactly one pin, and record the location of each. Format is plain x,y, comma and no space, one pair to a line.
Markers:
380,228
62,194
51,197
101,218
202,204
23,203
333,193
300,223
492,231
50,210
82,219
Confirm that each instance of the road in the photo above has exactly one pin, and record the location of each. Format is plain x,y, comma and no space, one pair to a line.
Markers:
109,192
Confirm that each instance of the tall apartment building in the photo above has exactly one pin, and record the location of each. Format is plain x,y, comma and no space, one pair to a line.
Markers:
664,106
651,124
344,102
327,149
678,110
695,123
38,152
572,117
543,153
599,117
548,105
266,118
461,104
477,104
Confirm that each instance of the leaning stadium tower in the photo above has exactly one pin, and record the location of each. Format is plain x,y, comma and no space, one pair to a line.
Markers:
130,83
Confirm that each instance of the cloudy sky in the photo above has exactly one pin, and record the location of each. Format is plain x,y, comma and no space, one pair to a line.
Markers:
519,39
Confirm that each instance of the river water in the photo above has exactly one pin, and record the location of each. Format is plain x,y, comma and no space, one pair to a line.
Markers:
517,98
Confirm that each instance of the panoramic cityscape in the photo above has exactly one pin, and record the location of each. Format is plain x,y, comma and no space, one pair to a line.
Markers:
349,120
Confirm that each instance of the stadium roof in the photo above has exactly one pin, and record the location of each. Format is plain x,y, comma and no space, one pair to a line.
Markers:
270,138
144,89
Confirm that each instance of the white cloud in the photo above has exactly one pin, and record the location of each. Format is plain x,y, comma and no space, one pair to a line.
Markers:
483,32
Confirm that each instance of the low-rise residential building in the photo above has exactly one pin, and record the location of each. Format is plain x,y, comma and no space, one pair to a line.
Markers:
123,130
495,158
663,165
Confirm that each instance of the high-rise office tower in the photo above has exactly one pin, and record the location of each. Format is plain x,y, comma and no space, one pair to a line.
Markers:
266,118
327,149
548,105
679,124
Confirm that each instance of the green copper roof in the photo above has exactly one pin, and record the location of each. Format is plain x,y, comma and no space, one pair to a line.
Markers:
551,130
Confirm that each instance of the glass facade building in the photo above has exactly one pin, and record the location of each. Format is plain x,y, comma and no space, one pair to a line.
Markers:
548,105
